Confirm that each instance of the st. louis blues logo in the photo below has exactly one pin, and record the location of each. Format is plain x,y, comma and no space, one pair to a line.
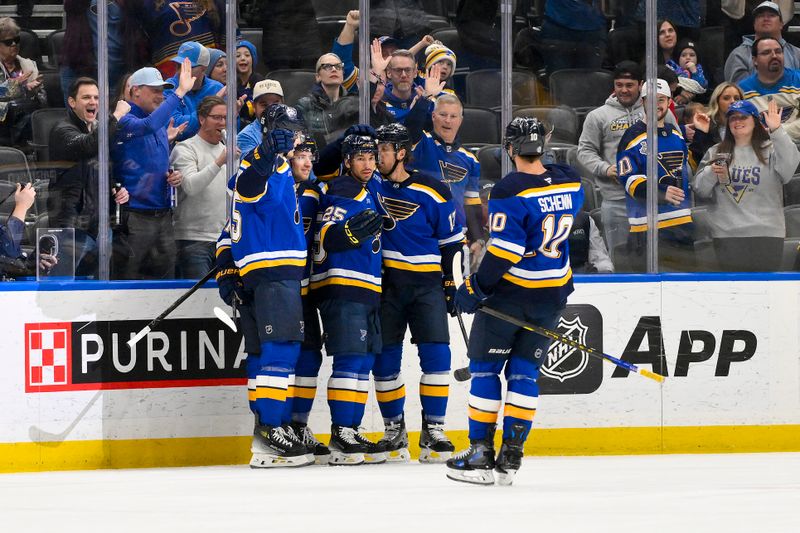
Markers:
564,362
396,209
187,13
452,173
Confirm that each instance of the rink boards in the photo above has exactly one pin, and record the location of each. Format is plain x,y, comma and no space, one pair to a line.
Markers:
75,396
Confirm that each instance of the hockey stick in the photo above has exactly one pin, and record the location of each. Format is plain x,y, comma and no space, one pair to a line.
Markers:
630,367
461,374
153,323
45,438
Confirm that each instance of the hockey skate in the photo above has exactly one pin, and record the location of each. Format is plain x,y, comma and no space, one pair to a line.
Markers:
395,442
434,446
272,448
344,447
374,454
297,438
321,452
509,459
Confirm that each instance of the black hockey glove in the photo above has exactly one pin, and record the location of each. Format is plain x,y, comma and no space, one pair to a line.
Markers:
469,296
360,129
449,287
230,285
363,225
280,141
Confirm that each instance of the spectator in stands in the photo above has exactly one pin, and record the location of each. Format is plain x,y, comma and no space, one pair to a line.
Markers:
675,226
201,210
153,31
737,18
343,49
721,99
772,81
21,88
218,66
186,111
400,89
378,112
686,63
686,91
115,30
77,57
265,93
246,59
573,35
73,200
439,154
768,22
597,148
478,25
587,250
667,40
685,15
328,110
13,262
744,177
439,56
140,155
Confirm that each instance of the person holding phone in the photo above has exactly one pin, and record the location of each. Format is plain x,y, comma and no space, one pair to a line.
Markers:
743,176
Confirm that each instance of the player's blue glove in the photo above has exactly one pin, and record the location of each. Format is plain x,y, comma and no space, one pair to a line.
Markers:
279,141
469,296
230,285
449,287
360,129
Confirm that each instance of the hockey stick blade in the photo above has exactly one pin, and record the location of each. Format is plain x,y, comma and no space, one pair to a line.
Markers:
136,338
225,319
630,367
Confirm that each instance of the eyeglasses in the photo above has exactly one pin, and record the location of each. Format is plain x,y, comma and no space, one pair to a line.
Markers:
327,67
217,117
408,71
11,42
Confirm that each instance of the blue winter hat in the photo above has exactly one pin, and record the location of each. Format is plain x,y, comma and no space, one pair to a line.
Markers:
214,56
745,107
251,47
194,52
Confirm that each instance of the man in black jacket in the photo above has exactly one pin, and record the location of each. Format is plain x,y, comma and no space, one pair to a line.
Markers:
73,194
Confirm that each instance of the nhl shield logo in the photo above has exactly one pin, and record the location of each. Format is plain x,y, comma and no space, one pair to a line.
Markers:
564,362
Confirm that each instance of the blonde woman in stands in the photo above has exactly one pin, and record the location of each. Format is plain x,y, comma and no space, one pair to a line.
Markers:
721,99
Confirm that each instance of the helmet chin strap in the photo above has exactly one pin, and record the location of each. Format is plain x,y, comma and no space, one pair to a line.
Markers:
394,167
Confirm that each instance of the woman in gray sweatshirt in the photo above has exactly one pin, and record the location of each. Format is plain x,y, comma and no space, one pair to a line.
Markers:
744,176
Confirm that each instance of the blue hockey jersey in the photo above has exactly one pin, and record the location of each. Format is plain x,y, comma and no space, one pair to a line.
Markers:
352,274
454,165
266,229
530,218
308,197
673,169
421,223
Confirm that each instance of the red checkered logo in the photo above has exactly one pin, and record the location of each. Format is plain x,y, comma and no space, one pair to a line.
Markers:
48,356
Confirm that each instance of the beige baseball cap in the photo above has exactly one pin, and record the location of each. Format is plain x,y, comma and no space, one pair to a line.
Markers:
267,87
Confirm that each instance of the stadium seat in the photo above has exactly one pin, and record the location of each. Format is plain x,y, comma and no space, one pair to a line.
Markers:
789,258
700,217
296,83
581,88
590,202
711,49
480,126
791,191
563,119
42,122
560,150
792,216
484,88
572,160
52,85
55,42
489,158
29,46
436,13
13,166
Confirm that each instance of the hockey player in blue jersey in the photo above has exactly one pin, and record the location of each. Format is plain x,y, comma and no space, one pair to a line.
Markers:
346,284
675,227
526,274
439,154
420,239
304,389
261,263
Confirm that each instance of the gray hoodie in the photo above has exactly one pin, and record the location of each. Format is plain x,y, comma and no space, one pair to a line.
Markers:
739,64
752,204
597,147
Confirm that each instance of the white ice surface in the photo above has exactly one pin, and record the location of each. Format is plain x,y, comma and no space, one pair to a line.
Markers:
753,493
